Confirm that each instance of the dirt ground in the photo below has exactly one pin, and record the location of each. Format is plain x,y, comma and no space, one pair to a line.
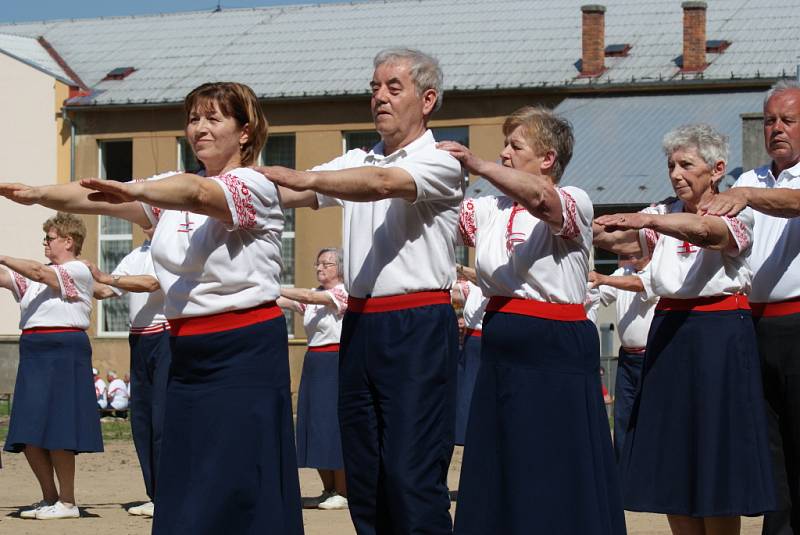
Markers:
109,482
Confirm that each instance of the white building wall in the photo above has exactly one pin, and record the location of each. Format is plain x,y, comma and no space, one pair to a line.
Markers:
28,153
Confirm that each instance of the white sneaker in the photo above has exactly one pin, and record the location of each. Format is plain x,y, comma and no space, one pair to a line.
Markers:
58,510
30,512
146,509
337,501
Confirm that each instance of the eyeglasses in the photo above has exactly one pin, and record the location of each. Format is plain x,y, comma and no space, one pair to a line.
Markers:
47,239
324,264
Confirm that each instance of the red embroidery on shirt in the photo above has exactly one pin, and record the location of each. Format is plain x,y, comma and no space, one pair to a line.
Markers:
739,232
513,238
70,290
570,230
466,222
22,283
242,201
686,248
156,211
651,237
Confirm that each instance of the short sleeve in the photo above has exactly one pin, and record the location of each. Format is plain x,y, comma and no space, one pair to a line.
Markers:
741,229
646,276
19,284
577,213
607,294
75,280
647,236
436,174
153,213
251,198
339,297
591,303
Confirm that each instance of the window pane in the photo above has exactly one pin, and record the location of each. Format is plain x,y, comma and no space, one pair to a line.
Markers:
279,150
187,160
462,255
452,133
117,160
114,225
361,140
287,276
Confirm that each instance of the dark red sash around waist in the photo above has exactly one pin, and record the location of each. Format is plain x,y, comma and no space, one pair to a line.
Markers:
472,332
329,348
224,321
539,309
778,308
391,303
51,330
704,304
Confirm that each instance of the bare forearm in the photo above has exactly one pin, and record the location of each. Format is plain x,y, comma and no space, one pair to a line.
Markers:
709,232
621,242
527,189
467,273
102,291
306,296
363,184
35,271
130,283
778,202
187,192
630,283
297,199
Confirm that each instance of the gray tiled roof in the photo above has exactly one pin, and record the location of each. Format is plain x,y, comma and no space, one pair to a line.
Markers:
313,50
29,51
618,157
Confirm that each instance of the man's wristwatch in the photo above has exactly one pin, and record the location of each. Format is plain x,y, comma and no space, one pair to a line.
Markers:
115,279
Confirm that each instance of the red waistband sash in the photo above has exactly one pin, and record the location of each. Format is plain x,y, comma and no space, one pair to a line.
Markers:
329,348
634,350
151,329
224,321
391,303
473,332
778,308
704,304
51,330
539,309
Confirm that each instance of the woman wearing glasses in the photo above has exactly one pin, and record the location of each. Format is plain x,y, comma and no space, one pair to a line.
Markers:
319,444
538,444
54,415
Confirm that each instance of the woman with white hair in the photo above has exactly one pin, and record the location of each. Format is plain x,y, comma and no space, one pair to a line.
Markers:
319,443
697,446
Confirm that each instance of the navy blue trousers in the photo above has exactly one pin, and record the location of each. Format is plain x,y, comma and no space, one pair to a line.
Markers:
397,388
779,349
150,359
629,375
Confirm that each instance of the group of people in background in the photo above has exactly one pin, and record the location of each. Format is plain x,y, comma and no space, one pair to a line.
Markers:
385,391
112,393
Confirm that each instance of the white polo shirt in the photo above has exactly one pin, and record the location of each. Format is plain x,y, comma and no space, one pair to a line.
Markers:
519,255
144,309
775,255
205,266
681,270
393,246
118,392
42,306
323,323
634,309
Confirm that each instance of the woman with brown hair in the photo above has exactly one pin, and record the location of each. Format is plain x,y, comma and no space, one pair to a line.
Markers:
54,415
228,458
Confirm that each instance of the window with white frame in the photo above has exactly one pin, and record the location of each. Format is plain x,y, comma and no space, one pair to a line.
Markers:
280,150
115,235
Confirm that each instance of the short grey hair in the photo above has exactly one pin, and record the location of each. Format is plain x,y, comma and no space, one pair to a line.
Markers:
780,86
339,258
711,145
425,69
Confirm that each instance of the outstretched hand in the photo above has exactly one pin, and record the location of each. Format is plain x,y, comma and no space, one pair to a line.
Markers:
469,161
613,222
288,178
20,193
109,191
596,279
728,203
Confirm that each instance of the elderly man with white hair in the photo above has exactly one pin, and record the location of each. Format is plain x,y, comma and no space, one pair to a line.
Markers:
399,335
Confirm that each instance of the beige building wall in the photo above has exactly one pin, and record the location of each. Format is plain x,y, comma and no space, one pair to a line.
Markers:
30,145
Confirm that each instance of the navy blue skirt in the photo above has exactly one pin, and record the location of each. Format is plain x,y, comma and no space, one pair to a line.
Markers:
697,441
54,403
538,440
228,462
319,442
469,360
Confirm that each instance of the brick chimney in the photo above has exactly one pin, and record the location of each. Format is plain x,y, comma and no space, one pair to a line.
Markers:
593,40
694,36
